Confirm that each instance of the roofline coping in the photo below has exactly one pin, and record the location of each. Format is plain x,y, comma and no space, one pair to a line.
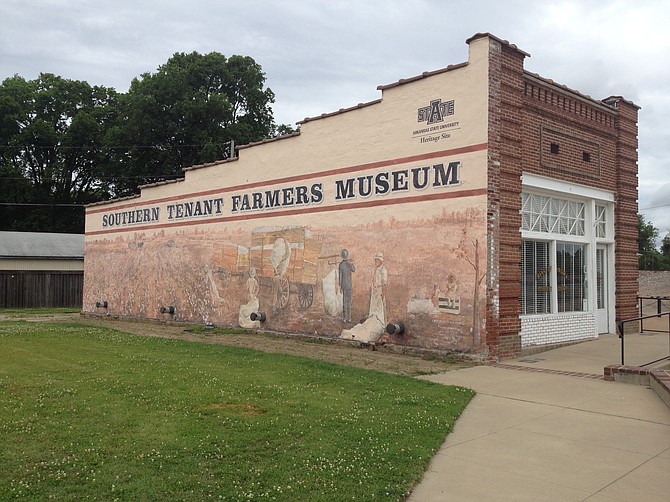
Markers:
604,104
264,141
134,196
341,110
620,98
425,74
506,43
103,202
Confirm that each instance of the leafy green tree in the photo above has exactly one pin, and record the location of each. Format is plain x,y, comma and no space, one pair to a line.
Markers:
284,129
51,157
188,113
64,143
649,256
665,247
14,187
15,192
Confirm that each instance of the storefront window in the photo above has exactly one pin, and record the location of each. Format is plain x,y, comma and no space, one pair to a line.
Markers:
570,277
541,275
535,277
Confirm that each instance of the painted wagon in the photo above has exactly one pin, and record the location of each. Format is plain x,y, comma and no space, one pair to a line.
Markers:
286,260
232,258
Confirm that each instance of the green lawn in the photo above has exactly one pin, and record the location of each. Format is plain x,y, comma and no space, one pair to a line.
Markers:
91,413
43,311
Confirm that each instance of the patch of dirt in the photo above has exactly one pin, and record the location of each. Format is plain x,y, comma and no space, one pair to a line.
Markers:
347,353
385,358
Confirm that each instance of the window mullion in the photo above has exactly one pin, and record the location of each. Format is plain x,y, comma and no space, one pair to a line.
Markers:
553,279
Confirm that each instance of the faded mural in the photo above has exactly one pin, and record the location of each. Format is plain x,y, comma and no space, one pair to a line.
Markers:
369,216
344,281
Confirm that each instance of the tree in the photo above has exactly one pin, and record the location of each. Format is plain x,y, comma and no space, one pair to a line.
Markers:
188,113
64,143
51,134
649,256
665,247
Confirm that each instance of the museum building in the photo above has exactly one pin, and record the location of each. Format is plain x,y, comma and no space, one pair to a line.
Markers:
479,208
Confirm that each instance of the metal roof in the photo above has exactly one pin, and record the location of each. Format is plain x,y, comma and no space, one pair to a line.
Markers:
41,245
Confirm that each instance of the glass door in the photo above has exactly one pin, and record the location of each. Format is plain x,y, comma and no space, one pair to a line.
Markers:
602,300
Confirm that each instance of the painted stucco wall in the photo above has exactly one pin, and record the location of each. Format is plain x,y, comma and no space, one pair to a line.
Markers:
404,176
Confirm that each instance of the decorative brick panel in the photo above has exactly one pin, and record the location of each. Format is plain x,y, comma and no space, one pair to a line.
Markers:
567,152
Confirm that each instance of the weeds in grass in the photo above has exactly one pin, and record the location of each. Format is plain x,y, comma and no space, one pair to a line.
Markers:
89,412
206,329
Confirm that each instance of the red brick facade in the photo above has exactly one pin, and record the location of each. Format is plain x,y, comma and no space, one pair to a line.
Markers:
540,127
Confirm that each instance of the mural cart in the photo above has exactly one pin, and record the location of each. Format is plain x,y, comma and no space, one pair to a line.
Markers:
286,260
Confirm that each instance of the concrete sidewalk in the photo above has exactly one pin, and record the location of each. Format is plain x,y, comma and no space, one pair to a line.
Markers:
535,433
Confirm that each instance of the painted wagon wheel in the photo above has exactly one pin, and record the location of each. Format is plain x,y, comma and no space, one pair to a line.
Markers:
282,291
305,295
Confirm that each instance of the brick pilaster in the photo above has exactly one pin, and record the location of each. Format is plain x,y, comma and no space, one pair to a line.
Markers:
504,197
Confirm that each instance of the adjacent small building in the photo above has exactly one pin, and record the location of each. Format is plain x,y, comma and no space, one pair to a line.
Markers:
41,270
479,208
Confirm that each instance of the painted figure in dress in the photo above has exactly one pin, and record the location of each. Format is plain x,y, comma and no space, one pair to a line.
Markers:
253,303
372,328
378,290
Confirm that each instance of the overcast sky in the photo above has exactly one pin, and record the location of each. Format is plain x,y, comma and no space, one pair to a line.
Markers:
319,56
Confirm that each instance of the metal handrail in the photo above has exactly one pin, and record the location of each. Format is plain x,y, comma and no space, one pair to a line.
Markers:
621,325
659,309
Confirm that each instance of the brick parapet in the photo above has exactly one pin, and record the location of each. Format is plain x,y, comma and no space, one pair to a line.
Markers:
625,214
493,205
504,201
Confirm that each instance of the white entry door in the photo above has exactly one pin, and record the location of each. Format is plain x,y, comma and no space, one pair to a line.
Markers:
602,288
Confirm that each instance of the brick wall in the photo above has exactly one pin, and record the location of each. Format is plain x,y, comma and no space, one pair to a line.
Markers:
504,198
557,329
608,134
540,127
625,213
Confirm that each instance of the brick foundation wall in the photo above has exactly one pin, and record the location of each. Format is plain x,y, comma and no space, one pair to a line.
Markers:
557,329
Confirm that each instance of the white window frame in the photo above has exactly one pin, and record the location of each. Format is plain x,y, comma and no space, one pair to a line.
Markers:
552,215
533,278
595,222
600,221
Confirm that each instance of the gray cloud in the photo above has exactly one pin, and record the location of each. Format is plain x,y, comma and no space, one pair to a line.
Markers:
320,56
